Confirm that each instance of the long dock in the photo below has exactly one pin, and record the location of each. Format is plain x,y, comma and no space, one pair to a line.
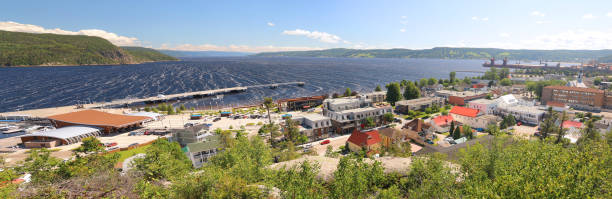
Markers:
195,94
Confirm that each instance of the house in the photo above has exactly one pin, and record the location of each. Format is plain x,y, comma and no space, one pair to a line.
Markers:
404,106
393,136
418,125
314,126
347,114
374,97
442,123
472,117
485,106
190,134
200,152
369,141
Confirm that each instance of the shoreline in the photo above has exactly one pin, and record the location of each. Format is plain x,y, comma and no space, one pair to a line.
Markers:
40,66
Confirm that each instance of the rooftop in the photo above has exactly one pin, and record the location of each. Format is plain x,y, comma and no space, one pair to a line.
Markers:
364,138
211,142
64,133
569,124
314,117
567,88
461,93
483,101
98,118
464,111
418,100
443,120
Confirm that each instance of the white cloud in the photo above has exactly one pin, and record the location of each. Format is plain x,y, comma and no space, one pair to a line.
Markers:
504,34
112,37
609,14
271,24
404,17
588,16
571,39
537,13
321,36
235,48
475,18
542,22
402,30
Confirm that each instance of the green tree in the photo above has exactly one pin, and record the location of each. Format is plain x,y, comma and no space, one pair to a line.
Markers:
89,145
147,109
390,193
505,82
393,93
432,81
291,130
248,159
299,181
429,178
589,133
354,178
423,82
369,122
452,77
467,80
457,133
347,92
378,88
388,117
162,160
42,166
467,131
411,92
561,131
597,81
268,103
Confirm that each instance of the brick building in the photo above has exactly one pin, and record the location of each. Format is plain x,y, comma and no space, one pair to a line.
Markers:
578,98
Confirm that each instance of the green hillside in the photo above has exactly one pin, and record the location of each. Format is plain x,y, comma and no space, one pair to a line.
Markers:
451,53
27,49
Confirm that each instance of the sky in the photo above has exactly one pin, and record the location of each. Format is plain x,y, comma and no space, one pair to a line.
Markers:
264,26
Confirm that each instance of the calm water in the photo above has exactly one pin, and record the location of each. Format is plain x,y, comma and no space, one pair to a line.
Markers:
41,87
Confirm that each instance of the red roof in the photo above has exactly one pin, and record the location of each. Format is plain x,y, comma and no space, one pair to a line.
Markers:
364,138
568,124
469,112
98,118
443,120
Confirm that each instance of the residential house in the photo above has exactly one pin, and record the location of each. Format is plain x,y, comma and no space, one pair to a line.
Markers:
472,117
404,106
191,134
347,114
485,106
369,141
441,124
200,152
393,136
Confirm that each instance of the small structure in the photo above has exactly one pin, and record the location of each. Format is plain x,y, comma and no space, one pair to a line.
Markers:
191,134
442,123
523,111
485,106
557,106
393,136
473,117
200,152
314,126
374,97
404,106
226,114
300,103
195,116
57,137
460,98
152,115
369,141
108,122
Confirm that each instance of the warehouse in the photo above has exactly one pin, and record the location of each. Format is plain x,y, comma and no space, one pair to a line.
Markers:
57,137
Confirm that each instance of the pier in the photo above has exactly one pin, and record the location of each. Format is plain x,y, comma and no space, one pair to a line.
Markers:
195,94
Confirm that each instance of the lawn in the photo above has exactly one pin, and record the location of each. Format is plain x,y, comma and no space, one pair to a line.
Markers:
129,153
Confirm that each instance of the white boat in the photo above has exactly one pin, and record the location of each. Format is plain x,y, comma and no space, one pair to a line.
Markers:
11,129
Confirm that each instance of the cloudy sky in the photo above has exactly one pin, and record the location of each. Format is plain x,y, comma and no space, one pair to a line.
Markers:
262,26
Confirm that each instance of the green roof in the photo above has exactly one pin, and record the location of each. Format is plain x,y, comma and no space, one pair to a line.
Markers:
211,142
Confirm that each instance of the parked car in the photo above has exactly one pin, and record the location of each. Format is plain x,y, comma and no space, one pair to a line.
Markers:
133,144
110,144
132,134
216,119
111,148
186,125
428,141
325,142
448,139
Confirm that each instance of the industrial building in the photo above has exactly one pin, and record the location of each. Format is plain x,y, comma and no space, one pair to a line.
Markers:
60,136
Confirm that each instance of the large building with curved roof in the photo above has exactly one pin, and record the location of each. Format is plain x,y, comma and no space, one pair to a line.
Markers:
108,122
60,136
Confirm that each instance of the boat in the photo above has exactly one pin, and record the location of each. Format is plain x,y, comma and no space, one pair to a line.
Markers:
10,129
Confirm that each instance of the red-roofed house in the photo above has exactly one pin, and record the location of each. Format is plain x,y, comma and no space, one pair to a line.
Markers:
442,123
472,117
370,141
571,124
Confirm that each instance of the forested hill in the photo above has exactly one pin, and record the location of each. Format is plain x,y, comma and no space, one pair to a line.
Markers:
28,49
451,53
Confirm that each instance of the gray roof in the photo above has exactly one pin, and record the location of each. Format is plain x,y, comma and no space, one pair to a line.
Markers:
65,133
211,142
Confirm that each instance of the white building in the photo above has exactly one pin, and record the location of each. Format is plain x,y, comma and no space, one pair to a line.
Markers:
485,106
347,114
314,126
523,111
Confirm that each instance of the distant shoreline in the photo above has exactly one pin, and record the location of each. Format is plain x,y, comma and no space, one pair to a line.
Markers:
36,66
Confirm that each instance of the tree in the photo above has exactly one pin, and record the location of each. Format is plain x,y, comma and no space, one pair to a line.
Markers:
423,82
268,103
335,95
411,92
378,88
368,122
147,109
505,82
182,107
589,133
452,76
248,159
299,181
457,133
561,131
467,80
428,177
90,144
291,130
170,109
491,84
41,165
493,129
162,160
597,81
355,178
388,117
452,128
393,93
467,131
432,81
347,92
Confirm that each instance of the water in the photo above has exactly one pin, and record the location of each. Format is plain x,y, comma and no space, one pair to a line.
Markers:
42,87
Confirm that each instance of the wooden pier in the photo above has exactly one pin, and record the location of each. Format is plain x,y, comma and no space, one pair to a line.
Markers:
191,95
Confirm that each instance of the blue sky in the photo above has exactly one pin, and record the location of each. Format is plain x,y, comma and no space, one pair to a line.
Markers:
257,26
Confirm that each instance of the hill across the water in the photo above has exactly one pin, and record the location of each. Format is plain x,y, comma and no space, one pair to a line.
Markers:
29,49
451,53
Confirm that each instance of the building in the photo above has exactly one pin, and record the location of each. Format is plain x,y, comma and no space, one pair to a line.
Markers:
369,141
557,106
153,116
191,134
442,123
485,106
108,122
374,97
404,106
393,136
523,111
589,99
60,136
459,98
200,152
472,117
314,126
347,114
301,103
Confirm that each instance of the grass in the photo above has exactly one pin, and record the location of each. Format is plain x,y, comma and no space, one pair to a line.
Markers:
129,153
50,150
446,134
